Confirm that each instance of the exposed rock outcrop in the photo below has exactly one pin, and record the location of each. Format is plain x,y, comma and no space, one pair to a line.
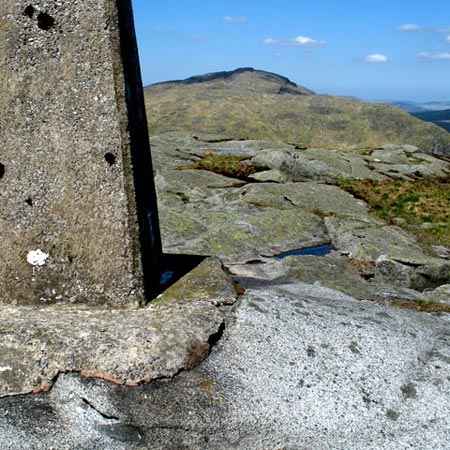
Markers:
239,221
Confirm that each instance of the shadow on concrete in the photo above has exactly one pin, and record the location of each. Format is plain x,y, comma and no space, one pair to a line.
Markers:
174,267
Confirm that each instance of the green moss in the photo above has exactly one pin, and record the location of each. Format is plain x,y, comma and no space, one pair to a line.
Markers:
183,291
207,281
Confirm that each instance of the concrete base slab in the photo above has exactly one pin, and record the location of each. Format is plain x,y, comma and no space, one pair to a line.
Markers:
125,346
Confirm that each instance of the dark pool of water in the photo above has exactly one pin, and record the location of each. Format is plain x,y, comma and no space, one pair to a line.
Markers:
318,250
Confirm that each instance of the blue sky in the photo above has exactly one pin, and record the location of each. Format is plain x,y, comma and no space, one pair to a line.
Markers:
374,50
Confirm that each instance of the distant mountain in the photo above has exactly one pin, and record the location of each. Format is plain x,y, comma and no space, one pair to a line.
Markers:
243,80
440,118
413,107
253,104
410,107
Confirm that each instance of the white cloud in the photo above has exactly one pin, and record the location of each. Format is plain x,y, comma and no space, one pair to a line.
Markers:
270,41
441,56
303,40
448,39
297,41
230,19
411,27
375,58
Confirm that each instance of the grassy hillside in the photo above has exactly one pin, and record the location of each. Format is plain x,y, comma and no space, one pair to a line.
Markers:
250,104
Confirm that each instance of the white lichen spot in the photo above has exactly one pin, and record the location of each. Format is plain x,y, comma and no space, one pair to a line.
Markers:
5,368
37,257
381,259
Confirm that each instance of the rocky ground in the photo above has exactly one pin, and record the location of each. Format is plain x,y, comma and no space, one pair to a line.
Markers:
291,205
315,354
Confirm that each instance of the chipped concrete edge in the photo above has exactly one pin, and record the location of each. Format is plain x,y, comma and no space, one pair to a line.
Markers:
126,347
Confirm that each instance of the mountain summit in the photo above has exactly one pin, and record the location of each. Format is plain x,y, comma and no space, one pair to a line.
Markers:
245,79
253,104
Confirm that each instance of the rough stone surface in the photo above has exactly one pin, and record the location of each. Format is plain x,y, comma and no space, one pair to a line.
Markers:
334,271
397,255
370,241
75,155
318,197
331,165
299,366
203,213
440,294
122,346
243,220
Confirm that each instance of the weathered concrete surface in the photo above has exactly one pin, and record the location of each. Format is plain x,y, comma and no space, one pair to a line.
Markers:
123,346
299,366
76,175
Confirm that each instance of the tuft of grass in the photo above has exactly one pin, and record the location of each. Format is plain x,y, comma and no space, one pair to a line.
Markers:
422,205
422,306
234,166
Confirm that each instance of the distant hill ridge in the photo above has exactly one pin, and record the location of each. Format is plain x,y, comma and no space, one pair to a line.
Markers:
246,78
415,107
441,117
254,104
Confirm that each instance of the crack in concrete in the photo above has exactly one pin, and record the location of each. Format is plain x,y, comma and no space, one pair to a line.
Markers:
103,414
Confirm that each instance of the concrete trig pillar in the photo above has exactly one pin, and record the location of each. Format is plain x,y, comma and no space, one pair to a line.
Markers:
78,216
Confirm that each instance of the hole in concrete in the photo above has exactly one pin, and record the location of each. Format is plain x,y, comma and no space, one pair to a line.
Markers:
29,11
45,21
29,201
2,170
110,158
70,259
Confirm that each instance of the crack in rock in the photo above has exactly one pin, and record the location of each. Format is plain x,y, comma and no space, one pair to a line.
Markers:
103,414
